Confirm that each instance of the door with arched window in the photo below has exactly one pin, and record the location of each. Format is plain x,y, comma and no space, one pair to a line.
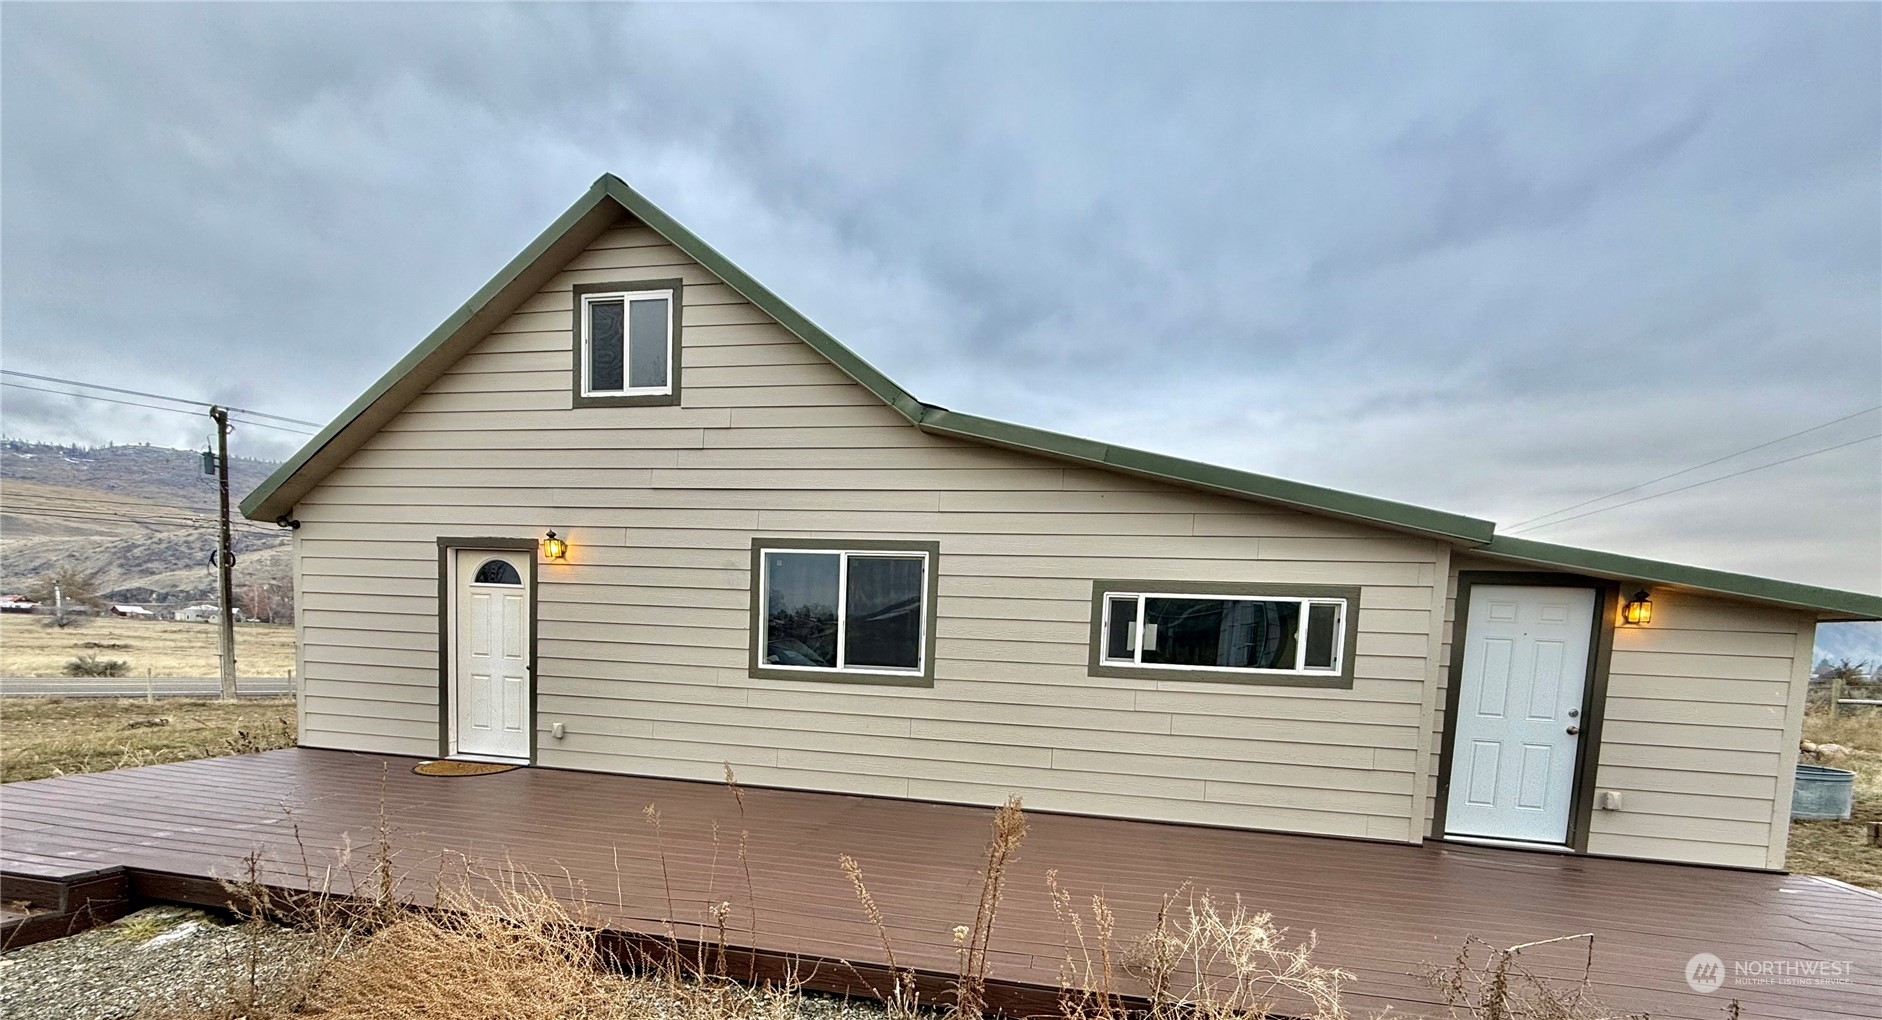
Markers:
490,686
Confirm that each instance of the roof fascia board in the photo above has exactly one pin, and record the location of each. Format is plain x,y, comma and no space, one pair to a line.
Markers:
521,277
1195,474
851,363
1826,603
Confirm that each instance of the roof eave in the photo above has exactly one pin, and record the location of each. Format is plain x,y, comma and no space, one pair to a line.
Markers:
1827,604
574,229
1383,513
851,363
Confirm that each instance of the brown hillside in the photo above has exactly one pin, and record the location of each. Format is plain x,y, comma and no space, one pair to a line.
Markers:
142,516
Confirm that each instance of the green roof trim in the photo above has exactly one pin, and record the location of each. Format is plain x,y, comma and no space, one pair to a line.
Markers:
1829,601
1214,478
758,294
263,504
609,195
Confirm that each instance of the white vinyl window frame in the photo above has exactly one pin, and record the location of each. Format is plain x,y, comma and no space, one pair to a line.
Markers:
843,554
627,299
1135,640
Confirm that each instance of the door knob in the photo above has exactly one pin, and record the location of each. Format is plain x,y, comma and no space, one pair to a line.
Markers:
1572,730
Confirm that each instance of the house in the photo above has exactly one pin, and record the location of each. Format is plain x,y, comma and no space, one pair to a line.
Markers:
17,604
204,613
627,511
133,612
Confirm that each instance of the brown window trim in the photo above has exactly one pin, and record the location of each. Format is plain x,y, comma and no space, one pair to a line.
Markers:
1343,680
759,546
673,346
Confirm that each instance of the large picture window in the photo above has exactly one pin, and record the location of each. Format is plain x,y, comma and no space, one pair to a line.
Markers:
627,343
1215,631
856,610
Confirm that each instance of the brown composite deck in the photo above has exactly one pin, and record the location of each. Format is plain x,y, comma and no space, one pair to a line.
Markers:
1381,911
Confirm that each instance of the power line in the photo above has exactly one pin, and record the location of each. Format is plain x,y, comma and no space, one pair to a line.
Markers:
90,503
244,528
91,396
1708,481
134,403
154,407
156,396
1521,525
132,503
88,506
67,515
115,499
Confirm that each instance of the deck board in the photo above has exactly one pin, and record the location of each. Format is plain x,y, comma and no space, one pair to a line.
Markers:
1381,911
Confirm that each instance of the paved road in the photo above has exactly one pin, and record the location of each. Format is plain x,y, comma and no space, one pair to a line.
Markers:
137,687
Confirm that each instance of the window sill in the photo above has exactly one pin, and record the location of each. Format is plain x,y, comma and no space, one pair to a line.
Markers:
626,399
844,677
1323,681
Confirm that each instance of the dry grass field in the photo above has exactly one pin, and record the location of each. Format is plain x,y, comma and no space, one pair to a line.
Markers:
1838,849
42,737
151,647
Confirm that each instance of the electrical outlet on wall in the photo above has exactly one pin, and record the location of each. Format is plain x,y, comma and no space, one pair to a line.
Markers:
1608,800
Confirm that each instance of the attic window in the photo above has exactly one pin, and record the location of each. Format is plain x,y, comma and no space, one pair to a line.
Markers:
627,343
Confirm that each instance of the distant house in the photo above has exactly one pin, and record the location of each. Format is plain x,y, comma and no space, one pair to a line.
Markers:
17,604
133,612
778,558
199,614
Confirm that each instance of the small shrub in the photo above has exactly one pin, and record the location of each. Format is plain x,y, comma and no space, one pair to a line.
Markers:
1206,959
970,945
510,953
262,738
92,665
1499,987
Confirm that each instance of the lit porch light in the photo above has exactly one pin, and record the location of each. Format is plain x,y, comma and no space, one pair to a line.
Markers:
1639,610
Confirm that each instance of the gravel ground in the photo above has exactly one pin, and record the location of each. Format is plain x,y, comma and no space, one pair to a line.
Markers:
650,1000
155,957
164,956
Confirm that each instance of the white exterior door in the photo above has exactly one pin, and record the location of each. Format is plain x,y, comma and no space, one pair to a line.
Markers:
1519,712
490,682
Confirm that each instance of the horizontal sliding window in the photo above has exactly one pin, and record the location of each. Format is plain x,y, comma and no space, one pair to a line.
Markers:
627,342
862,611
1223,633
628,335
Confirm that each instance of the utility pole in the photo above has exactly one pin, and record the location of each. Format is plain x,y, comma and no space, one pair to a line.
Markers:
225,557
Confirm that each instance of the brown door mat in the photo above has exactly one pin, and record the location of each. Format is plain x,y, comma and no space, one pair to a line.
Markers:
460,768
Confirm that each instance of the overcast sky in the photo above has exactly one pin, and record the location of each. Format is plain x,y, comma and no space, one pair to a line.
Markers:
1497,259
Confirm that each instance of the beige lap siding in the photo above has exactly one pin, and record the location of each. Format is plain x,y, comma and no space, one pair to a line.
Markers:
1704,712
643,632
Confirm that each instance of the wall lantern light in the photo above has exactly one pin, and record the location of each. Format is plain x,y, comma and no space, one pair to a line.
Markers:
554,548
1639,610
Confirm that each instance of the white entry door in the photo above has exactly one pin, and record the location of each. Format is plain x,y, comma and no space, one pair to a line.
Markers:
490,683
1519,712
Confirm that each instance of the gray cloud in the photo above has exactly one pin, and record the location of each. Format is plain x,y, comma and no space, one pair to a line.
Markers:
1492,258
